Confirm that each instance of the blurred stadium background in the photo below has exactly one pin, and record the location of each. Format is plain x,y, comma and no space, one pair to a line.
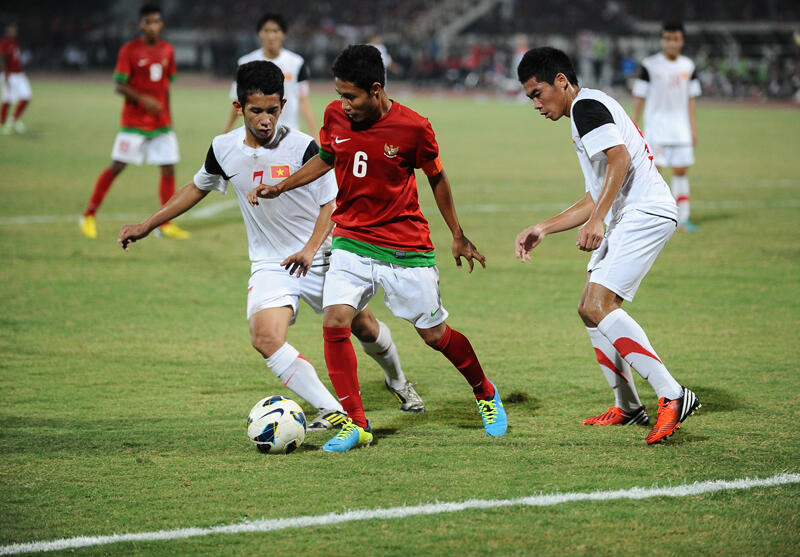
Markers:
745,49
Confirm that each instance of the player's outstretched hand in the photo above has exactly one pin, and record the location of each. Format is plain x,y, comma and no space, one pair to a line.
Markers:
129,233
266,192
590,235
298,263
526,241
462,247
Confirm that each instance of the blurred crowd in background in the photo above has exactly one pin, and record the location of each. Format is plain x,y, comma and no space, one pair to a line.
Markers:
742,48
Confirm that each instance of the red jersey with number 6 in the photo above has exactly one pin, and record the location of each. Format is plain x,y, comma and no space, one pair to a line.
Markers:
377,201
148,69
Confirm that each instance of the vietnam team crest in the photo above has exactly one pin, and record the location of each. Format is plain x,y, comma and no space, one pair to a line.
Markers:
390,150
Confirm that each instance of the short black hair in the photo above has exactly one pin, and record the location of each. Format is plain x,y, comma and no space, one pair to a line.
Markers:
148,9
544,63
673,26
277,18
259,76
361,65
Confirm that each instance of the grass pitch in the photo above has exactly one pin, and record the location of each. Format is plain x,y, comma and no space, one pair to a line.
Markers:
126,378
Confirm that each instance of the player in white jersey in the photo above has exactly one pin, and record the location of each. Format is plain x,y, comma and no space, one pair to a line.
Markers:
666,89
624,191
289,240
271,29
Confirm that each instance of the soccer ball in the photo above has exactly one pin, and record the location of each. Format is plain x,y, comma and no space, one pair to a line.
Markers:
276,425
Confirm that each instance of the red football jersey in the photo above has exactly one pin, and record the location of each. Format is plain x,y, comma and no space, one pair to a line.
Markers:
9,49
377,201
148,69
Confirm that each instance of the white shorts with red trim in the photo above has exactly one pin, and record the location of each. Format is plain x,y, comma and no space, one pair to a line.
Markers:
135,148
628,251
673,156
273,287
410,293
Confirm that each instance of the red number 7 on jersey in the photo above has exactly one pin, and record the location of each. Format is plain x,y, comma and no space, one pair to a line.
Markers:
260,175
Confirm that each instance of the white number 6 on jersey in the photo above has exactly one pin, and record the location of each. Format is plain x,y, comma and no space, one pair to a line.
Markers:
360,164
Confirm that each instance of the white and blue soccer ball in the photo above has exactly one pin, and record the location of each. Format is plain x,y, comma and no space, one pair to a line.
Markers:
276,425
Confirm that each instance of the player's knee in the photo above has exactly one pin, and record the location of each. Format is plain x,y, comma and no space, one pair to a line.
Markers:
117,167
267,342
432,336
365,328
588,314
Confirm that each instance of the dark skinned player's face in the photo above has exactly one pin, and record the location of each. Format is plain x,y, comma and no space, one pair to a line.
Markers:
359,105
261,113
151,26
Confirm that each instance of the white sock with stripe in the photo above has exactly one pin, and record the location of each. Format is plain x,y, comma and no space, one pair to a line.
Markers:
385,353
680,191
632,344
616,370
299,375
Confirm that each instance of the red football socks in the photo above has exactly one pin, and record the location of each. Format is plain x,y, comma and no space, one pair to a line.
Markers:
458,350
100,189
4,112
343,371
20,109
166,187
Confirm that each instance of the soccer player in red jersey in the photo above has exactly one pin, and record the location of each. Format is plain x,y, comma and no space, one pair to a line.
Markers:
14,86
145,68
381,237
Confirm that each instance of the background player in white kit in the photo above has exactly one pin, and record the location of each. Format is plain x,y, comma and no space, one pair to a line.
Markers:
625,191
666,88
271,29
289,240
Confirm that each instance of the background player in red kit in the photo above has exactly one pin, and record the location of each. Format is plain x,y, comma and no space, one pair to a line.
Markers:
145,68
14,86
381,237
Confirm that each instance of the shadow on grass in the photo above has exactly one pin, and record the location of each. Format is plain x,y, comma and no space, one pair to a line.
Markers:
715,399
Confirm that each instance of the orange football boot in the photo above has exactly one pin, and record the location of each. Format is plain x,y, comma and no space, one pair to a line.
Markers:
671,413
617,416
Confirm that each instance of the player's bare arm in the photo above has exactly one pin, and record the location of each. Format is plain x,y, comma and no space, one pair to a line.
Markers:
591,234
299,263
183,200
575,215
313,169
692,121
462,247
149,103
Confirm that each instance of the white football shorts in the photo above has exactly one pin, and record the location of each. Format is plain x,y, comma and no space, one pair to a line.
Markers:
628,251
273,287
673,156
16,88
410,293
135,148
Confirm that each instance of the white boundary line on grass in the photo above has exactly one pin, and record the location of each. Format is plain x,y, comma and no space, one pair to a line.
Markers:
212,209
273,524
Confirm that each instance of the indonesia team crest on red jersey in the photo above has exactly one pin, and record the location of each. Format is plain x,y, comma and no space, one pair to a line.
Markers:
390,150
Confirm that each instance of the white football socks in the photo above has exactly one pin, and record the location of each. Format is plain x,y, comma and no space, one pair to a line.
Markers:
632,343
680,191
384,352
299,375
616,370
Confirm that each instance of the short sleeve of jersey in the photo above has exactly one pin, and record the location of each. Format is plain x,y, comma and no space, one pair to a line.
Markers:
595,126
122,71
172,70
642,83
428,152
694,86
211,176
